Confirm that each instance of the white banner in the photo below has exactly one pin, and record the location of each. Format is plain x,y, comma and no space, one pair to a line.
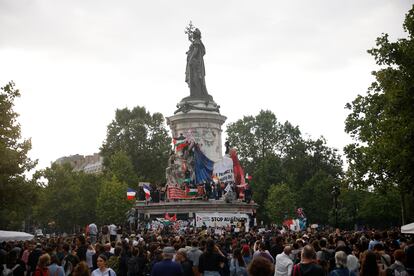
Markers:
224,169
219,220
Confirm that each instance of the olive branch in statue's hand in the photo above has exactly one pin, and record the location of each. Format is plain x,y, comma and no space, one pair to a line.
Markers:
189,30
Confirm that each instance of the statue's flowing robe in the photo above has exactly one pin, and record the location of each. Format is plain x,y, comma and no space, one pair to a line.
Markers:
195,71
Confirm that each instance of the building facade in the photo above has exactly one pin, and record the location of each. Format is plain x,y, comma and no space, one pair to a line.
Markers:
89,163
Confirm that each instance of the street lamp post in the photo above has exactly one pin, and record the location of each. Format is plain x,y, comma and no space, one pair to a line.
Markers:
335,192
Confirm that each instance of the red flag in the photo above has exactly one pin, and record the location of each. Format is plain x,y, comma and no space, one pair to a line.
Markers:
174,218
181,146
167,216
288,223
237,169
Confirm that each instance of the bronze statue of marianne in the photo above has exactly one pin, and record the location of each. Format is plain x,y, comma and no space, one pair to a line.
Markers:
195,71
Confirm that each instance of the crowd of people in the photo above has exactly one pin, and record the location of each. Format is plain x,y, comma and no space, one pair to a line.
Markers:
204,252
207,191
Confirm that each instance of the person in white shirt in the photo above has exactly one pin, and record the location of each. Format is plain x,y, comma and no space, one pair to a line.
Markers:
112,232
93,232
89,256
284,263
102,269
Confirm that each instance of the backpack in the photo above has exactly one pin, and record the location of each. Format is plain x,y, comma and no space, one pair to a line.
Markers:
396,272
296,270
9,271
132,265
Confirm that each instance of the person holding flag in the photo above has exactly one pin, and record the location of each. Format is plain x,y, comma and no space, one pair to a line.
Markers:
302,218
147,191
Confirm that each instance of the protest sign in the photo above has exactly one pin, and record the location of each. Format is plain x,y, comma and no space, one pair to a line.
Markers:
224,170
219,220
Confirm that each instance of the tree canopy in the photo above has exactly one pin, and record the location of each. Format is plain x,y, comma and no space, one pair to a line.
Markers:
13,162
276,153
68,198
112,203
143,138
382,122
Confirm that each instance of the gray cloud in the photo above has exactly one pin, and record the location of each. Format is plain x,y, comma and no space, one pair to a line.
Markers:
82,59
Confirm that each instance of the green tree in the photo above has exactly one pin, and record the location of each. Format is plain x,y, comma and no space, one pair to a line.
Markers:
60,200
121,167
305,159
280,203
90,185
143,137
267,171
273,152
258,137
380,209
349,204
315,197
262,143
17,193
382,121
112,203
67,198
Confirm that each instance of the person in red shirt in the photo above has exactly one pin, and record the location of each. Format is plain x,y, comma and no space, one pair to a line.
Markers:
42,269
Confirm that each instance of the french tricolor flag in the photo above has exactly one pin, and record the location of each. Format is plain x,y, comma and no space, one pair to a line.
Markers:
131,194
147,191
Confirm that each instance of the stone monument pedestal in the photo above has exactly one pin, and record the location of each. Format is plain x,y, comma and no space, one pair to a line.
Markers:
201,119
194,206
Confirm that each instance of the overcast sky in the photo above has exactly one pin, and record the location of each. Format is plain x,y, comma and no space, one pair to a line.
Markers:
75,62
